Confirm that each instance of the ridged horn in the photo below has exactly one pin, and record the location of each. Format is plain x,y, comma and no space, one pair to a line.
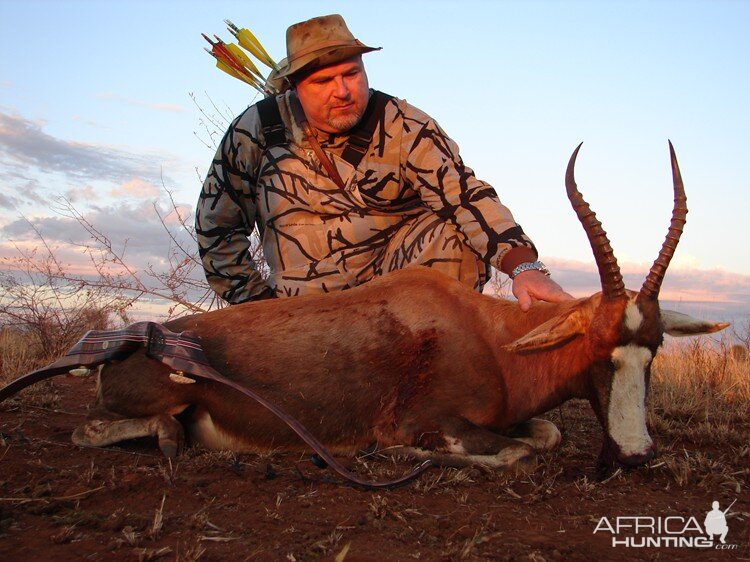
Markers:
652,284
609,271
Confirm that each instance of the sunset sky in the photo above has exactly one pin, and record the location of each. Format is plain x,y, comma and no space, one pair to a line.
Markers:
96,106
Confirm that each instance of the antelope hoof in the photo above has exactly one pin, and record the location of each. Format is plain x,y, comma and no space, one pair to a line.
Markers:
169,448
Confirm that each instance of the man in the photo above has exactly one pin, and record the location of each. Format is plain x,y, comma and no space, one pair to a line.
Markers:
716,523
346,184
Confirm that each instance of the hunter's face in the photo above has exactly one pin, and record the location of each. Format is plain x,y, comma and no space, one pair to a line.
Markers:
335,97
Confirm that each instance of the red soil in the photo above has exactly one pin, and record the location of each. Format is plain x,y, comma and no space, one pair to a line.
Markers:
63,502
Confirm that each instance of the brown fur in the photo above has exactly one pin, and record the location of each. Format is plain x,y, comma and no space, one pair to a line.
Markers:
414,359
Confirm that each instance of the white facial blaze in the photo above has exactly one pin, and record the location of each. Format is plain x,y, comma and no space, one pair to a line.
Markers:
633,317
627,400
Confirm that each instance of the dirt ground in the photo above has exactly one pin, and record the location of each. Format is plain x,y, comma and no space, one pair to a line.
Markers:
63,502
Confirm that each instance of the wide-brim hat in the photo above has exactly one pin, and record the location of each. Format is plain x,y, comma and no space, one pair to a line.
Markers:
319,42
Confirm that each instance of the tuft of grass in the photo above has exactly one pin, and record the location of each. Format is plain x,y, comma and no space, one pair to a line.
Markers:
444,478
158,523
191,552
708,471
149,554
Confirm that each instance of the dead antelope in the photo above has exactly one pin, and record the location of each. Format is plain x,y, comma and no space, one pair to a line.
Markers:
413,360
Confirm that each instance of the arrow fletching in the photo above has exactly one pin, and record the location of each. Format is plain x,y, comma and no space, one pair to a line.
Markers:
244,60
226,61
250,43
223,66
230,58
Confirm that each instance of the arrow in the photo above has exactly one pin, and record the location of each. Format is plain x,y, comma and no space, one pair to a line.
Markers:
730,505
250,43
229,62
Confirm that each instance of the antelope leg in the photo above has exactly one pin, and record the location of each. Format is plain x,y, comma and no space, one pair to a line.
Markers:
103,432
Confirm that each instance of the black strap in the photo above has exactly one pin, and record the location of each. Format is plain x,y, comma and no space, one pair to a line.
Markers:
270,120
360,136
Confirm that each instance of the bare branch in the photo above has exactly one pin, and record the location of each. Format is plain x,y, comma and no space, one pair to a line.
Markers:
42,297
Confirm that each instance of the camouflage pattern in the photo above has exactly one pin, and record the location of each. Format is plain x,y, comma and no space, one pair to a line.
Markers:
410,200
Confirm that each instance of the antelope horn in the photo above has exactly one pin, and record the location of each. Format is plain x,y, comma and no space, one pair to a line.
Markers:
609,271
652,284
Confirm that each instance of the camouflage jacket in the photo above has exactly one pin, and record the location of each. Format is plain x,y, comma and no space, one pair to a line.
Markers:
317,236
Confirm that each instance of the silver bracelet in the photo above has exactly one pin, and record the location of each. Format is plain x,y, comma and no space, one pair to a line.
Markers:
528,266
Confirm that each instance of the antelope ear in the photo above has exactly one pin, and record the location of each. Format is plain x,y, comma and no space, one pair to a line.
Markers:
678,324
553,333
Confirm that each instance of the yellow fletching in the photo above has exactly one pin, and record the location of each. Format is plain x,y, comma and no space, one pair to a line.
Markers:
232,72
250,43
243,59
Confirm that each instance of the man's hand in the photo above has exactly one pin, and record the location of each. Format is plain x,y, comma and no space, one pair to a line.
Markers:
534,285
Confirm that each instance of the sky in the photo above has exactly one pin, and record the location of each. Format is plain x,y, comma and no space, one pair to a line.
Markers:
107,103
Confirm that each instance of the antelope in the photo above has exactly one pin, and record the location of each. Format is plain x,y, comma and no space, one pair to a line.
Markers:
415,362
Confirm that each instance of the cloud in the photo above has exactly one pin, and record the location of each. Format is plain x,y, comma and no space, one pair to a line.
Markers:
133,228
8,201
705,293
166,107
24,144
134,188
85,193
90,123
26,190
683,283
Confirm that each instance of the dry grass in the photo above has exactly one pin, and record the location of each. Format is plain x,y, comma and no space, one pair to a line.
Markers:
17,357
701,392
699,409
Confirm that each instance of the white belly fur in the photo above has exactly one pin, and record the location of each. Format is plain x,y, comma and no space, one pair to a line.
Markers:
205,433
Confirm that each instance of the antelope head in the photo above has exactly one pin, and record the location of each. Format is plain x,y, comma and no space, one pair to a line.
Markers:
617,332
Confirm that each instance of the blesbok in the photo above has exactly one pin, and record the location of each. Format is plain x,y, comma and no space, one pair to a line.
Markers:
414,360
